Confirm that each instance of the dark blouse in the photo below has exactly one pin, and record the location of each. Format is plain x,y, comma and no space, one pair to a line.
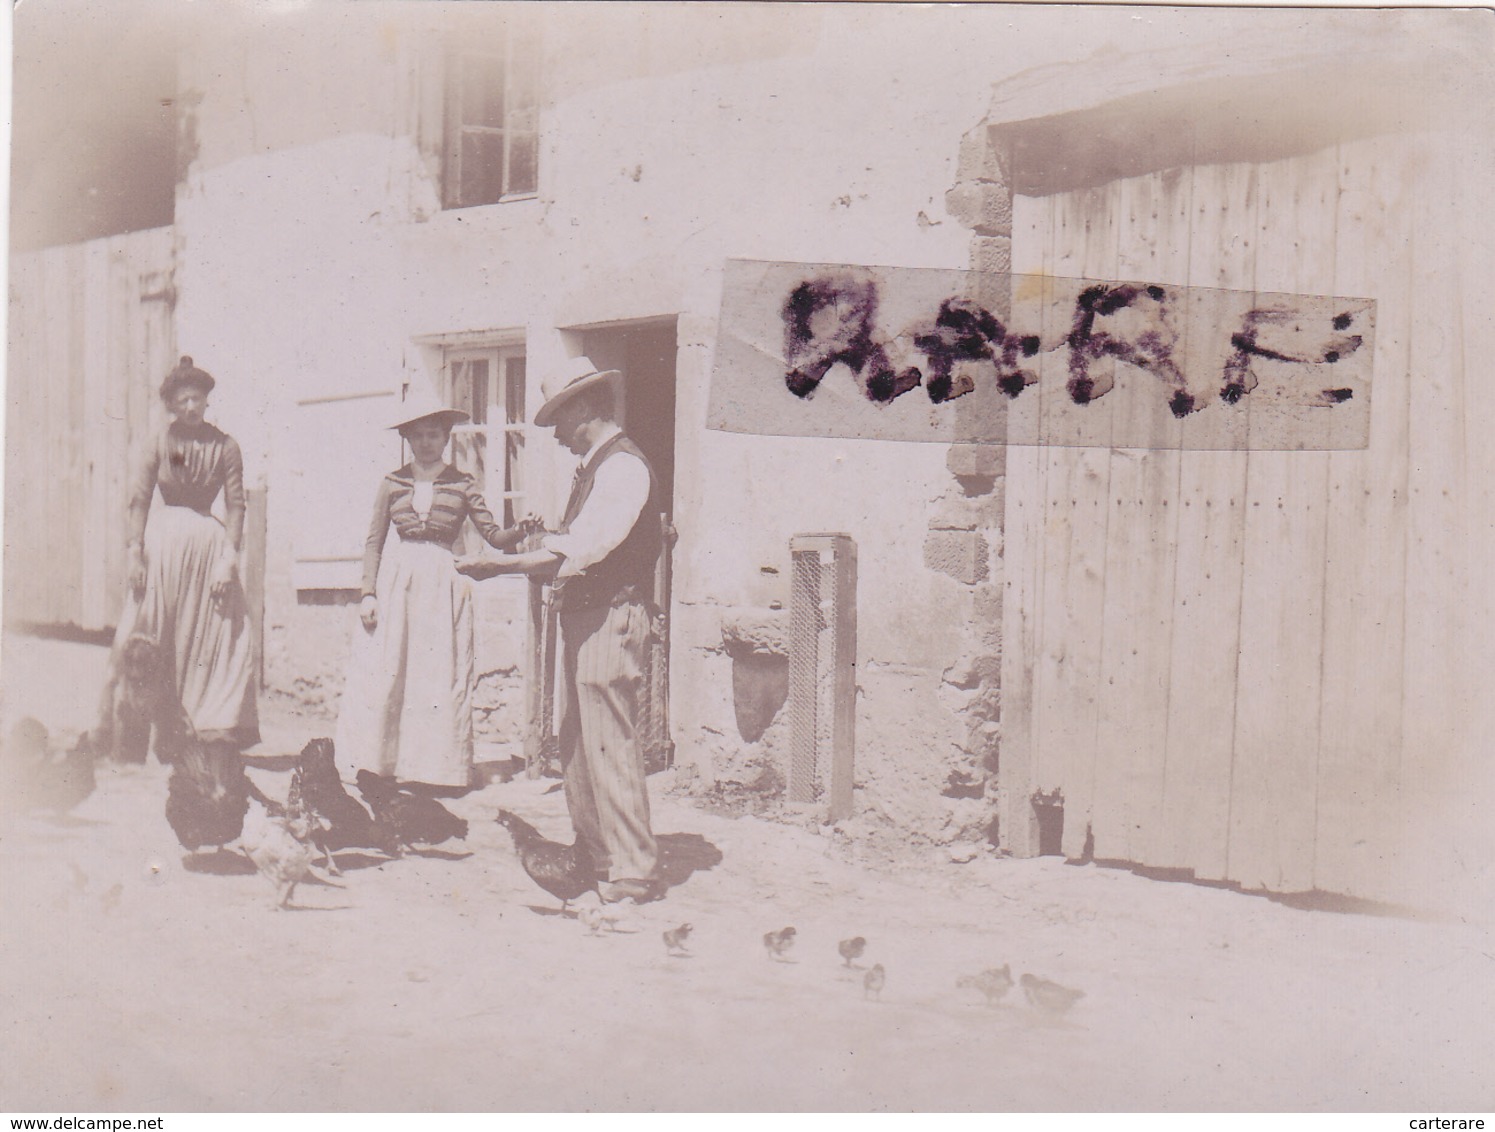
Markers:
454,498
190,468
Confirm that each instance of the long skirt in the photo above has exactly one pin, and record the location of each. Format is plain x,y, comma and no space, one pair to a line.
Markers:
208,641
407,705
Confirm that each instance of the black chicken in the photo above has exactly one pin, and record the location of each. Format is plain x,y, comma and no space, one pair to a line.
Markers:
37,778
207,795
410,819
564,871
337,819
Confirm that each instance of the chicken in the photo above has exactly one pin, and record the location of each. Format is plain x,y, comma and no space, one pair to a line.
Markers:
778,943
1049,997
338,820
564,871
851,949
674,939
37,778
873,982
208,792
994,983
207,795
281,848
25,751
410,818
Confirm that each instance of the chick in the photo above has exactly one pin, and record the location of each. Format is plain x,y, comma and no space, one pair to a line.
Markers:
873,981
596,919
994,983
674,939
778,943
852,949
1049,997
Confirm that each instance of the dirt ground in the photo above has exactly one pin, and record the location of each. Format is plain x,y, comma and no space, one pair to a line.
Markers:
133,980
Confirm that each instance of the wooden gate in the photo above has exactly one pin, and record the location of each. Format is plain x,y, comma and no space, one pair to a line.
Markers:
1245,664
91,336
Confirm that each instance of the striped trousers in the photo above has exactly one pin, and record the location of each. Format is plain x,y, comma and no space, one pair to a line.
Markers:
601,680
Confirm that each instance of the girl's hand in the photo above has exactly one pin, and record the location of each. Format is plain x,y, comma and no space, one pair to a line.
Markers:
368,612
224,581
135,571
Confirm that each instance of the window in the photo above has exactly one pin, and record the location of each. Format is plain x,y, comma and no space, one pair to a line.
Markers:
488,382
492,121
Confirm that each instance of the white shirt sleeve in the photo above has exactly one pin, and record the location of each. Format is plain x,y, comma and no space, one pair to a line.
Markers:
619,493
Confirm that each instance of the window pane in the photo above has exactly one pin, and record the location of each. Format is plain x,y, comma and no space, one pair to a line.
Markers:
482,91
524,77
470,452
514,390
523,163
470,387
514,371
482,168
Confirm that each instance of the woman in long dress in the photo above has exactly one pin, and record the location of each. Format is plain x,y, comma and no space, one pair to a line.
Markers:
183,568
407,704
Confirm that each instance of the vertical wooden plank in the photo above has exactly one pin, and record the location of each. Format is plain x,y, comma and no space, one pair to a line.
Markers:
1471,840
1131,740
1022,567
1439,688
19,415
89,426
1073,580
50,489
1361,714
1211,521
74,541
1274,789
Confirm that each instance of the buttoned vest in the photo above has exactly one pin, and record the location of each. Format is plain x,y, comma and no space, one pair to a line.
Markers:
627,574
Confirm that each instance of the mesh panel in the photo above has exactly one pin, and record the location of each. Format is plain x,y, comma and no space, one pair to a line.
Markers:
822,671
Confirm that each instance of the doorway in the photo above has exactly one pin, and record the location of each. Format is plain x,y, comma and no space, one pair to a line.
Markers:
644,351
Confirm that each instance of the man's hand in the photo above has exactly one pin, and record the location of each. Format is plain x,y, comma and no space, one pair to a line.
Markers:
542,563
368,612
481,568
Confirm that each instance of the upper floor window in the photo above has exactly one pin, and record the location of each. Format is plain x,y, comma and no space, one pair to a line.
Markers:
488,383
492,120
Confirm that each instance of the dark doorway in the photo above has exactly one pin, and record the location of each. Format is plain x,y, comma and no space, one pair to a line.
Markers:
645,352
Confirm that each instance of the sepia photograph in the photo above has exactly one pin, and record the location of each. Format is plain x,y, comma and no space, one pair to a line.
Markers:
748,556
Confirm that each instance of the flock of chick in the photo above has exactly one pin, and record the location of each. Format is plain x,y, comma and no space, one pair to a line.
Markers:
1048,998
211,803
567,873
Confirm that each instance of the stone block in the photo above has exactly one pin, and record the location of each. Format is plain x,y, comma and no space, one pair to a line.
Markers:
992,255
981,206
980,160
959,554
762,632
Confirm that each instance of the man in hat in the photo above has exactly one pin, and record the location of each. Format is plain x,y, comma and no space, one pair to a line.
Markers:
603,559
